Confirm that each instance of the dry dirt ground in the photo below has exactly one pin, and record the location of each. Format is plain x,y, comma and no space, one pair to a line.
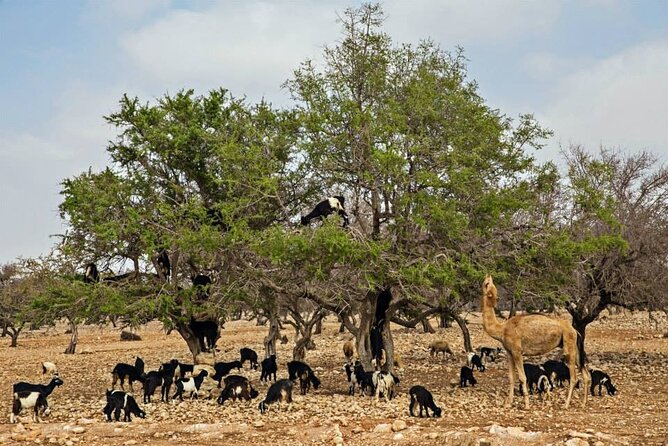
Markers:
631,348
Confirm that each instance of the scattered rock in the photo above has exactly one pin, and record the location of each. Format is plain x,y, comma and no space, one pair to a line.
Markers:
398,436
383,428
398,425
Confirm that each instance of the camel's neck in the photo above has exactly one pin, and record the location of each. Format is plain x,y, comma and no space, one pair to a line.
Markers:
490,323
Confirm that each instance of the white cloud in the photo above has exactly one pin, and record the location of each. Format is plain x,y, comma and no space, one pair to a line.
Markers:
463,22
621,101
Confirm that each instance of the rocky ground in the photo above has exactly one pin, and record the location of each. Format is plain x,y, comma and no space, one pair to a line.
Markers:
631,348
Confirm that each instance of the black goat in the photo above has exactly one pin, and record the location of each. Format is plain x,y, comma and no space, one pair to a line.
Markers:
475,362
202,284
117,400
168,370
191,385
163,264
181,370
237,386
131,372
224,368
326,208
269,367
279,392
363,379
601,379
298,369
248,354
466,375
423,397
152,380
557,372
207,333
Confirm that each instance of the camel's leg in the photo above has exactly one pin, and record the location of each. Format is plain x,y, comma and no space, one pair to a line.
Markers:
511,378
573,358
519,369
586,380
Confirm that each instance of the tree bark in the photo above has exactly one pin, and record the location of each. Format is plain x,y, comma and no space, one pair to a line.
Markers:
272,336
191,340
465,331
74,339
426,326
14,334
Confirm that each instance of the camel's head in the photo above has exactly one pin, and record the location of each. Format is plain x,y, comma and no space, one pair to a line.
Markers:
489,291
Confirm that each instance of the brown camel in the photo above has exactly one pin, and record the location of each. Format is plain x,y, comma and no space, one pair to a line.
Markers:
531,334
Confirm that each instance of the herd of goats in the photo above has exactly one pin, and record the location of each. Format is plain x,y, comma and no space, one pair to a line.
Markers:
194,379
191,378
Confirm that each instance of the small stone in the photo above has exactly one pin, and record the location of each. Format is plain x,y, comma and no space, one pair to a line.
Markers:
383,428
338,440
432,435
484,442
130,442
576,441
358,429
398,425
78,430
398,436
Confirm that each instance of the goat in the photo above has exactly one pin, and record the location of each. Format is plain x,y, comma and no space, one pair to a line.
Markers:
224,368
181,370
362,378
491,353
349,350
237,386
600,379
279,392
557,371
132,372
168,370
440,346
24,388
538,378
117,400
207,333
384,383
466,375
248,354
298,369
28,399
191,385
326,208
475,362
163,265
269,368
49,367
91,274
152,380
202,285
423,397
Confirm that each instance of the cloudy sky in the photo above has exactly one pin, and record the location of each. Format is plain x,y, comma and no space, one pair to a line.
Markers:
595,71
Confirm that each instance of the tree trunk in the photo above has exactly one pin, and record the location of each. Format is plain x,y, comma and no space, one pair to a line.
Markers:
74,339
5,329
191,340
580,326
513,307
362,337
465,331
318,326
444,320
426,326
14,334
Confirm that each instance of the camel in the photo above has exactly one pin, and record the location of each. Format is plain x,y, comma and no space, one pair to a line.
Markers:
531,334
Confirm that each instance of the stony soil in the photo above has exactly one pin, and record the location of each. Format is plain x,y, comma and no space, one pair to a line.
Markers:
631,348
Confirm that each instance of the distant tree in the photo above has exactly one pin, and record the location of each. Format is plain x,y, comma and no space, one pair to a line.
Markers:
615,234
15,293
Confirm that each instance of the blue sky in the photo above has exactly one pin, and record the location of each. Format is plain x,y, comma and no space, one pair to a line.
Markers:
595,71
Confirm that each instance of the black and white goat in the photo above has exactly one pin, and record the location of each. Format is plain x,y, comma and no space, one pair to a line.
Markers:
223,369
423,397
326,208
248,354
237,387
191,385
384,383
163,265
466,376
359,378
91,274
490,353
537,378
131,372
269,368
298,369
474,361
26,399
557,372
118,400
279,392
601,379
24,396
